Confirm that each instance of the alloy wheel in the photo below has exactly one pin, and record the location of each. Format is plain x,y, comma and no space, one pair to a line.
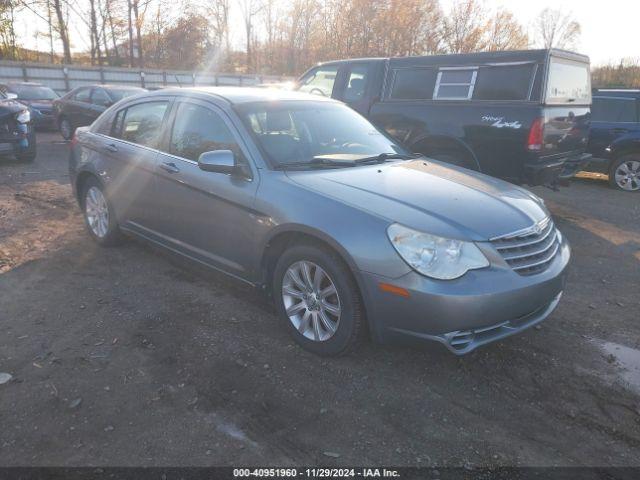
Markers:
311,301
627,175
97,212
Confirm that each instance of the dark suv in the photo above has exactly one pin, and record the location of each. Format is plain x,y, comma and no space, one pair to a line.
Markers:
522,116
614,140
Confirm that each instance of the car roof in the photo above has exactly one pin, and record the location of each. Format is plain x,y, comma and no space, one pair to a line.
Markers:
239,95
26,84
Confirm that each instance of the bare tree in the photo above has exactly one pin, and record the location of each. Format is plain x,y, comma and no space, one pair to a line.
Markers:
62,29
504,32
250,8
556,29
464,28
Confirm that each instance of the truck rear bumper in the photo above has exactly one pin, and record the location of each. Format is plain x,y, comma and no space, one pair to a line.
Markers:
552,171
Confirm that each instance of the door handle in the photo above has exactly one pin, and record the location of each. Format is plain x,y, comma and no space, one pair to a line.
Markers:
619,131
111,147
169,167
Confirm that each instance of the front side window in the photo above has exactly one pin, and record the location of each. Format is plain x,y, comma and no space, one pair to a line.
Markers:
356,84
320,81
306,132
100,97
568,82
455,84
198,129
142,123
82,95
614,110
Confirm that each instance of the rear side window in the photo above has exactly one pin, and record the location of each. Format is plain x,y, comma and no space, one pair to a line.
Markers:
455,84
319,81
568,82
503,82
614,110
100,97
413,84
141,123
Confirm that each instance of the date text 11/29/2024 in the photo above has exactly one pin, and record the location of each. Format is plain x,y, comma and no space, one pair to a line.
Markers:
315,472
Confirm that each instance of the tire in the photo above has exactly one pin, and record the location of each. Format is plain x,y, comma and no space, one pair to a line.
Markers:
317,311
27,156
99,215
66,129
624,173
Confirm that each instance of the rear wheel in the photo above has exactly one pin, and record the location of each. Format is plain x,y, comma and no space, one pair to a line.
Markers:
625,173
318,300
99,215
66,129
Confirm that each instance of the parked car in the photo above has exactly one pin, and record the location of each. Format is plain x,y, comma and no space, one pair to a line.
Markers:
17,134
82,105
38,98
306,198
614,139
522,116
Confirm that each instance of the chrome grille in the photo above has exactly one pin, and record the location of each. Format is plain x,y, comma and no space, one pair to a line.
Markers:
530,251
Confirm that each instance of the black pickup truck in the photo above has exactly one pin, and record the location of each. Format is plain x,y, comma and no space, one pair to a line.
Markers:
521,115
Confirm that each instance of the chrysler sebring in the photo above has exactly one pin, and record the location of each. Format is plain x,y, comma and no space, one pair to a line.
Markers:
348,232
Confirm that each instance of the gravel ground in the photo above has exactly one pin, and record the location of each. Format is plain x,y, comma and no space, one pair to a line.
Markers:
126,356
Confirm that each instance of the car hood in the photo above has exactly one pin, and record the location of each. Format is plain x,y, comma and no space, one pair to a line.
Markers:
8,107
430,196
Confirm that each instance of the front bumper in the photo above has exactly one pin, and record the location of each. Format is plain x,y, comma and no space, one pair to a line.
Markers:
480,307
16,139
44,120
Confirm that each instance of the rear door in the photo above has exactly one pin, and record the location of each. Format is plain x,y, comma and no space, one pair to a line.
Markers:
611,118
77,106
131,159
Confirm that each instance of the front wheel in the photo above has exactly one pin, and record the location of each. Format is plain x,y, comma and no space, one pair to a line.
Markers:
625,173
318,300
99,215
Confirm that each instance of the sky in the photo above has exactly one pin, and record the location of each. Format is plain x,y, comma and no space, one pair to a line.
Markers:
610,30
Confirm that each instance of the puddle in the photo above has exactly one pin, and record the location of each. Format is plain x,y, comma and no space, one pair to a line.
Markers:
628,359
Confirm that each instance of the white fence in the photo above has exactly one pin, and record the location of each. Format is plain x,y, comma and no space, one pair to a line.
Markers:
63,78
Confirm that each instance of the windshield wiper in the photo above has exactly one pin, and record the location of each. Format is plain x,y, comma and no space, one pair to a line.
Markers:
383,157
317,162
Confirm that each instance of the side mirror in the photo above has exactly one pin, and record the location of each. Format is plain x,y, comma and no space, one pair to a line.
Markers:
11,95
218,161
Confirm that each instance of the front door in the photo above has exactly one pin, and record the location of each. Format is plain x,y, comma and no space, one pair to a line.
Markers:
207,216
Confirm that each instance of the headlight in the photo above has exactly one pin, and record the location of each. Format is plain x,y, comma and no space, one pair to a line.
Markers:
435,257
23,117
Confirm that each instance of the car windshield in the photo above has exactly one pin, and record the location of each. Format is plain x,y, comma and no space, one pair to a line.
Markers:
307,133
34,92
119,94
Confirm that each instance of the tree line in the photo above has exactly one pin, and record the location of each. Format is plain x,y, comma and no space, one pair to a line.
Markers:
282,37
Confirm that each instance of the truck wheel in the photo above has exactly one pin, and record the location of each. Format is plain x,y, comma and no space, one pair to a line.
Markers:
625,173
460,160
318,300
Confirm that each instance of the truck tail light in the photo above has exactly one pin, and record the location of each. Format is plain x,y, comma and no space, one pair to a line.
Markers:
536,135
74,140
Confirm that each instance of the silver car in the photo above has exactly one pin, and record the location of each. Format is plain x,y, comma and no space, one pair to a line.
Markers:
301,196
